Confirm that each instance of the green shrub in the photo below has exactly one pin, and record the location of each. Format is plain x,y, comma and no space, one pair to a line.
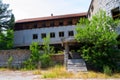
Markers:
107,70
98,39
45,61
10,60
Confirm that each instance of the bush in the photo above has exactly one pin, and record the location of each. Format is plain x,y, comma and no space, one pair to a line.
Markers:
45,61
107,70
10,60
98,39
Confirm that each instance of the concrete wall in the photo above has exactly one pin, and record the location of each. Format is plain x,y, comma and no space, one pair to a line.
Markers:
106,5
19,56
25,37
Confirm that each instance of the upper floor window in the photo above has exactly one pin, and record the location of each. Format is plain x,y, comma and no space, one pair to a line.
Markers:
52,23
116,13
52,35
35,36
61,23
70,22
70,33
43,24
92,8
61,34
35,25
43,35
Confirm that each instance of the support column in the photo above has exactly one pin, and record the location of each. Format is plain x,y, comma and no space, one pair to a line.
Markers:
66,51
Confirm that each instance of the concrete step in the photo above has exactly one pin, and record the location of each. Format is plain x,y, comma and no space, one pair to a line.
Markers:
76,65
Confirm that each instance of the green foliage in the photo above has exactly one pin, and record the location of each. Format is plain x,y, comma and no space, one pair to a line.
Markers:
32,62
107,70
48,50
35,55
45,61
6,40
10,60
6,26
98,37
6,17
46,46
38,56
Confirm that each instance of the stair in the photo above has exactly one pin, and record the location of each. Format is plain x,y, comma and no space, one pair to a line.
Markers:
76,65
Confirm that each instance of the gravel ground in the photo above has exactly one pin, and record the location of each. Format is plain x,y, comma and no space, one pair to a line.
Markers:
28,75
18,75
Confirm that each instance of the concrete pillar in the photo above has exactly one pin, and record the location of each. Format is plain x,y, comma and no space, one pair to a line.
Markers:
66,51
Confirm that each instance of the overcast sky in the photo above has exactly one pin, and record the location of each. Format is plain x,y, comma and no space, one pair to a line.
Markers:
39,8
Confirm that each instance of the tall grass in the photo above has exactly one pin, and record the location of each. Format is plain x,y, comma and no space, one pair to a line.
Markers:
60,72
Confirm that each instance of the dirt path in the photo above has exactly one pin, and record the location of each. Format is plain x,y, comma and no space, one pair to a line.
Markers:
18,75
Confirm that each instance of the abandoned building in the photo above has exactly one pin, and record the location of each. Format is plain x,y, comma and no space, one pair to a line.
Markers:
34,30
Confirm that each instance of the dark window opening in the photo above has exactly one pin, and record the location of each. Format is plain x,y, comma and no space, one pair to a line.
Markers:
118,39
70,22
70,33
43,35
35,25
35,36
61,23
43,25
61,34
116,13
92,8
52,35
52,24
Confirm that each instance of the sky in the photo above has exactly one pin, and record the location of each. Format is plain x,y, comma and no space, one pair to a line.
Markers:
23,9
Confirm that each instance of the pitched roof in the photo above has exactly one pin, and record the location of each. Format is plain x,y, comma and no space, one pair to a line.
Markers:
52,17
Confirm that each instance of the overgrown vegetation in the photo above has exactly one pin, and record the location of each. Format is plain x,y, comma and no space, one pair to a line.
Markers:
6,27
40,55
10,60
60,72
98,37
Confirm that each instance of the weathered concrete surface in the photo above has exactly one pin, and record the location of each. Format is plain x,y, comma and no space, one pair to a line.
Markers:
18,57
18,75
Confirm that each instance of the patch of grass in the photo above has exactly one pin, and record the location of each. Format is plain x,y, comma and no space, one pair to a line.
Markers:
57,72
60,72
4,69
37,72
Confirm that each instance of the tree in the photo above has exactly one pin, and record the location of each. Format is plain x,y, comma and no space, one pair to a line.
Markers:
98,37
6,40
6,17
6,27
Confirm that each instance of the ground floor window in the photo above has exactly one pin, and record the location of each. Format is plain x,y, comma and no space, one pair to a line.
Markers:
43,35
35,36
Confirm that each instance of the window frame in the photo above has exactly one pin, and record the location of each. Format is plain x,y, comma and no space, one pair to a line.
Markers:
43,35
52,35
35,36
61,34
71,33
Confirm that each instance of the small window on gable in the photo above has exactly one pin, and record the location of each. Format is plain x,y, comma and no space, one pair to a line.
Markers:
43,35
61,23
35,36
61,34
70,33
52,35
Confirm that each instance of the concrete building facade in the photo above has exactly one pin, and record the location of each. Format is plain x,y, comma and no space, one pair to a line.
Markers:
112,7
59,28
